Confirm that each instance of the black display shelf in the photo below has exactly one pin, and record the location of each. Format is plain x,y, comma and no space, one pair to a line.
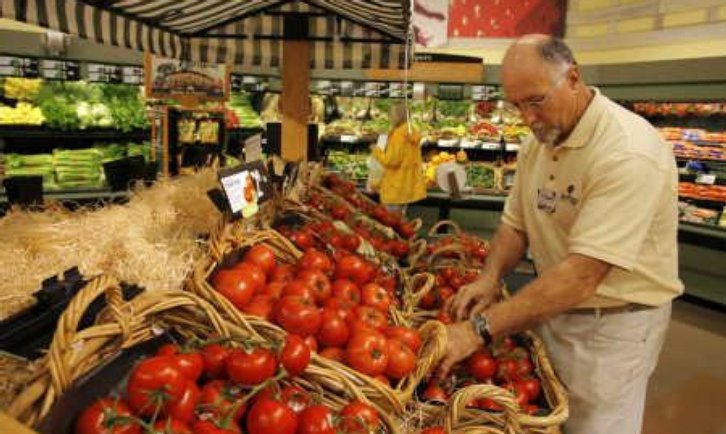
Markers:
706,203
712,237
76,197
40,132
715,160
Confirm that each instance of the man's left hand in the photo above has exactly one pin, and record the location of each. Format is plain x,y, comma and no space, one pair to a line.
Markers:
462,341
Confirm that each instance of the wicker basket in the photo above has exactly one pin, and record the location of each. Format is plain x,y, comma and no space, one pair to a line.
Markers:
74,353
433,333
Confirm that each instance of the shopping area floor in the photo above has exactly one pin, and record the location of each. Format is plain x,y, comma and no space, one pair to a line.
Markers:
687,393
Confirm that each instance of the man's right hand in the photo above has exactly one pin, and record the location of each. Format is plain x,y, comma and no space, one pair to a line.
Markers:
473,298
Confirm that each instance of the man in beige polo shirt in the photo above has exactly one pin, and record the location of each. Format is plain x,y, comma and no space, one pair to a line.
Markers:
595,202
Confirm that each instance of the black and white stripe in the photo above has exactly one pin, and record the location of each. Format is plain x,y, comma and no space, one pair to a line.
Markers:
351,34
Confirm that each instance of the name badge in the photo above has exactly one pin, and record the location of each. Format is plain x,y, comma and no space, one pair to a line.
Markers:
547,200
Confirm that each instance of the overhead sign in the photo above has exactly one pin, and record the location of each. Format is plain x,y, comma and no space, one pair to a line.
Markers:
169,78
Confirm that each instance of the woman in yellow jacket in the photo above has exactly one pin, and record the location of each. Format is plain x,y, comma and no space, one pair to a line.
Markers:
403,181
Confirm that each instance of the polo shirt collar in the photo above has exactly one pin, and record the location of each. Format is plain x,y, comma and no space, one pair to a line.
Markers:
585,127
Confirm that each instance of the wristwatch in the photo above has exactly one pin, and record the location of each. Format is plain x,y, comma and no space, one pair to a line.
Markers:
481,326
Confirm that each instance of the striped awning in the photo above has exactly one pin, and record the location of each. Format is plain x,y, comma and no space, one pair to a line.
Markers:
346,34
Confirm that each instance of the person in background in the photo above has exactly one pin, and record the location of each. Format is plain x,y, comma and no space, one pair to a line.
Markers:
403,181
594,201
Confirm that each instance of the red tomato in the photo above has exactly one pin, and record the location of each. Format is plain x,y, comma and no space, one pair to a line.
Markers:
401,360
254,273
375,296
299,288
234,286
503,346
333,331
295,355
190,363
334,353
489,405
371,317
358,414
506,369
520,394
107,416
347,290
263,257
302,239
251,367
430,300
435,393
366,352
314,259
269,416
316,419
183,408
298,315
524,367
351,242
213,427
342,306
294,396
456,282
283,273
383,379
388,282
318,281
220,399
214,356
312,343
153,383
355,268
448,272
274,289
531,386
170,426
260,306
482,366
339,212
409,336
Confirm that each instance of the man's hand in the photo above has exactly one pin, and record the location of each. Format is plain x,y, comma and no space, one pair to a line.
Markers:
462,341
473,298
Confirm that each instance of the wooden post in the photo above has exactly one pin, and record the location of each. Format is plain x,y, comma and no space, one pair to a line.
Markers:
295,99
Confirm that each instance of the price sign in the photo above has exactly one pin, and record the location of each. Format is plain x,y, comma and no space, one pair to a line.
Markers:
359,89
103,73
373,89
484,93
453,92
347,138
346,88
132,74
61,70
706,179
25,67
236,83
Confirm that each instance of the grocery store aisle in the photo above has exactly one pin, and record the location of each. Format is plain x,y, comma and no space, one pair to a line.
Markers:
687,391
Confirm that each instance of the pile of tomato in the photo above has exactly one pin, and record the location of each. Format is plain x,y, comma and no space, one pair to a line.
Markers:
339,306
504,363
216,388
475,248
347,190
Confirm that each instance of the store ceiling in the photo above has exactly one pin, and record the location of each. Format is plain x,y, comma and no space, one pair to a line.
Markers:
351,34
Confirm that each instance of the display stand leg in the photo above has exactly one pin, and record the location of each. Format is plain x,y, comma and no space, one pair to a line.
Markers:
444,213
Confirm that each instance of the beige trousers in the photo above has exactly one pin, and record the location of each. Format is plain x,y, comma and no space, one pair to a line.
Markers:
605,360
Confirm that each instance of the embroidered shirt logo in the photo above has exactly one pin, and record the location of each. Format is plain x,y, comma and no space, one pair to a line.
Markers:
569,195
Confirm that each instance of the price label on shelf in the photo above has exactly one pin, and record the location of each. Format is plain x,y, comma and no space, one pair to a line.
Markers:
26,67
61,70
103,73
706,179
348,138
132,74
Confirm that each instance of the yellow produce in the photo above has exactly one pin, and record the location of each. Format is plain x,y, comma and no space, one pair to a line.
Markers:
22,114
23,89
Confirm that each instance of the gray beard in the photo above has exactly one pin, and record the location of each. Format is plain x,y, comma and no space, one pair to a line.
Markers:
547,136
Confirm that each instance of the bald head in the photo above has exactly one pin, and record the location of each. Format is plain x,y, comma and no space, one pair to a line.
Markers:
538,52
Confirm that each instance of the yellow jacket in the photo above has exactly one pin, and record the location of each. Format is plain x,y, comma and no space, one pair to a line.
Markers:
403,181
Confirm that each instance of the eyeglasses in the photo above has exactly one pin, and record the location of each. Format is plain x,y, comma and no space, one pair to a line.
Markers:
537,102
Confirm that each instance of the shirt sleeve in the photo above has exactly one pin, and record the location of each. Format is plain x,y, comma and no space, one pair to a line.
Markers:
513,215
617,210
392,157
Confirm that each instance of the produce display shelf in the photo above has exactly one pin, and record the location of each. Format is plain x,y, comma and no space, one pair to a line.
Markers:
40,132
484,147
702,201
709,236
682,158
692,177
78,195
